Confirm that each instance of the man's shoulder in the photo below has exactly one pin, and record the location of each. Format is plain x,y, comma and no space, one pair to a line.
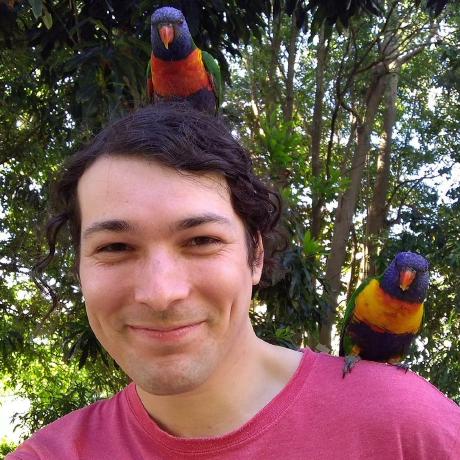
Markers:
376,411
373,377
385,388
72,426
98,409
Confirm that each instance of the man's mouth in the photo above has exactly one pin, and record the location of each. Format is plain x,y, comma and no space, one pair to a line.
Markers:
170,332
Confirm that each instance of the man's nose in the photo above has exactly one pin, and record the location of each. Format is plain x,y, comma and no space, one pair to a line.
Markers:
161,280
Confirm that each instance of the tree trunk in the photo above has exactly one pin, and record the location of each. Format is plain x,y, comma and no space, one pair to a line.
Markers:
378,207
248,61
354,265
316,131
292,52
347,205
274,56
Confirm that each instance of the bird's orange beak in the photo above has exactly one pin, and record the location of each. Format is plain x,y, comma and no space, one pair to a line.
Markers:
166,32
406,277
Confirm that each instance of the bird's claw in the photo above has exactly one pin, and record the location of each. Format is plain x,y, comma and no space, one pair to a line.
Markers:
350,362
404,366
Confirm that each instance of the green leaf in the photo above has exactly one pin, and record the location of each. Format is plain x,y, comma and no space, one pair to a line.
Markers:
310,245
37,6
47,19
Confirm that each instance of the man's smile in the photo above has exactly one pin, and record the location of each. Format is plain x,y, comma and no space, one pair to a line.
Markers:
167,332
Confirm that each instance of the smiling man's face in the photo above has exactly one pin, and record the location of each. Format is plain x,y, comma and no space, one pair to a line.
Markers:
164,271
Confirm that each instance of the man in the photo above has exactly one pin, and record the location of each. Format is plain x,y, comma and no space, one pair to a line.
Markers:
168,222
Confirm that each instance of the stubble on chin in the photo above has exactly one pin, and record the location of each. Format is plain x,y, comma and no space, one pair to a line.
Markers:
177,375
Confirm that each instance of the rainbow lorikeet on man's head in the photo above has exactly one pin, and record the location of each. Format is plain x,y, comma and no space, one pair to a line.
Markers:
177,69
385,313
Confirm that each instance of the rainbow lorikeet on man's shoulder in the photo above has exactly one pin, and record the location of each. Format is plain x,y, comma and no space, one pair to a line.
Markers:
385,313
177,69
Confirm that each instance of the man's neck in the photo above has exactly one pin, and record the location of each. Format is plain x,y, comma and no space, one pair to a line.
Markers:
229,400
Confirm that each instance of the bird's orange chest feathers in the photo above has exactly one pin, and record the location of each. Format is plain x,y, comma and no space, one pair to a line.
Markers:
383,312
180,78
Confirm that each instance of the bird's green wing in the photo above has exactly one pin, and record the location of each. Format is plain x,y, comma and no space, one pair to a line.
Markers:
422,323
350,310
213,68
352,303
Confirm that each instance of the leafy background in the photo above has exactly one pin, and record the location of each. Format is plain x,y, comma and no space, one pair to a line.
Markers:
350,108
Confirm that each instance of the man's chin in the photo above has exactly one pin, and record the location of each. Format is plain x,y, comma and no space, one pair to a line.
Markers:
170,383
173,375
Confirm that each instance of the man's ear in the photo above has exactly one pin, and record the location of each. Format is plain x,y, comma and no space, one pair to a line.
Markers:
258,263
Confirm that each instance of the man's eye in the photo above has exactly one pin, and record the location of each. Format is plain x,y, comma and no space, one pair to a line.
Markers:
203,241
113,247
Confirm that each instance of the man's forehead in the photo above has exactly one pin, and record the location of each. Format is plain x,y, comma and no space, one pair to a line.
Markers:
106,166
117,193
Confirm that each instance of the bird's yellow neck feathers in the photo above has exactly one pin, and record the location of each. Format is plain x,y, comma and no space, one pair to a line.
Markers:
384,313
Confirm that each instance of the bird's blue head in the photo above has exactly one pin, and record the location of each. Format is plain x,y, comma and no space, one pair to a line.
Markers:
170,36
407,277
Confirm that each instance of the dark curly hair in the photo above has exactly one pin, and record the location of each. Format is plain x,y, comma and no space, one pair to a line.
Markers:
179,137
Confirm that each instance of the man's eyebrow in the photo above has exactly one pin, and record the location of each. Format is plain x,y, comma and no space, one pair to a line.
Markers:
112,225
120,226
201,219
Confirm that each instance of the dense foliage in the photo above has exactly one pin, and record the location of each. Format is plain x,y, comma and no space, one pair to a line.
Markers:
353,114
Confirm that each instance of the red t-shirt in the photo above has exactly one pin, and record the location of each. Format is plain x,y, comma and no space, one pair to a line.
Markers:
376,412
